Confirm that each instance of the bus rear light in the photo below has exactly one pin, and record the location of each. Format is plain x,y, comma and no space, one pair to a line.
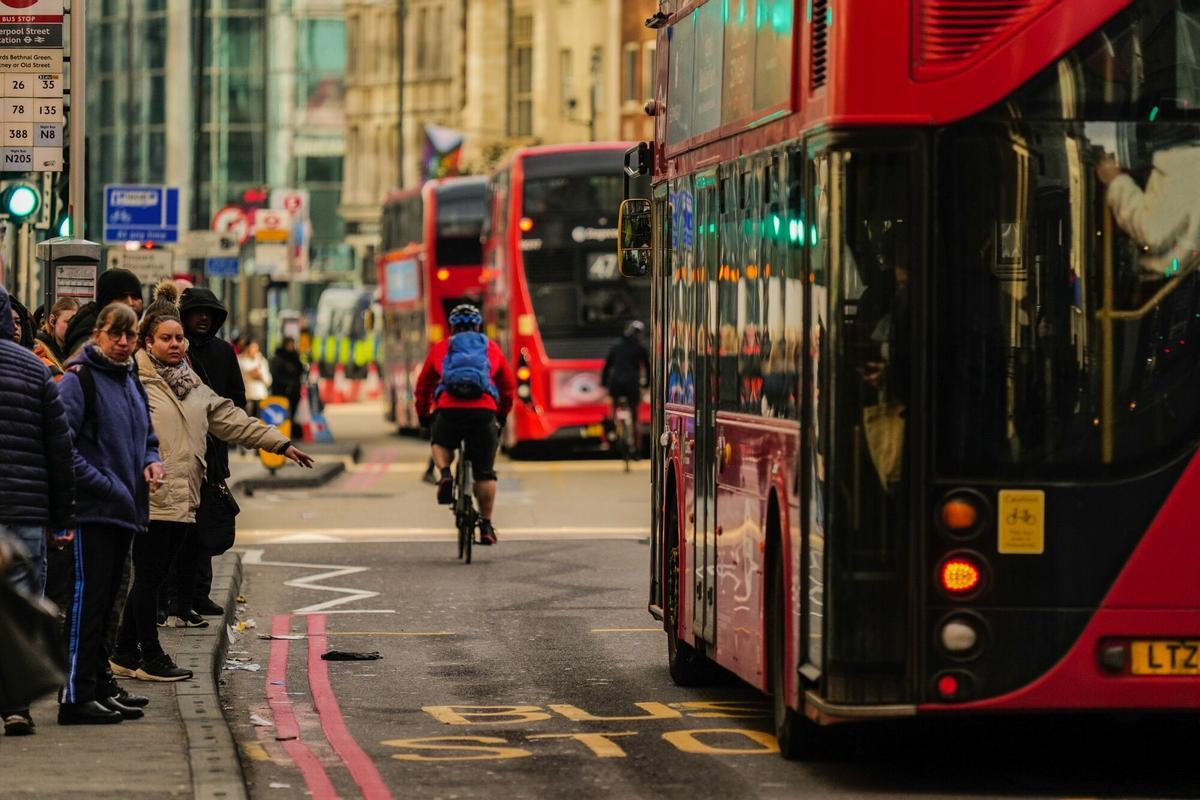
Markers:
959,637
526,224
960,576
523,373
443,274
1113,658
959,514
956,685
524,392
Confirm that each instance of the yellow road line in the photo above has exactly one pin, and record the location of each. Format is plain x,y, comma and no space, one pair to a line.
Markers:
627,630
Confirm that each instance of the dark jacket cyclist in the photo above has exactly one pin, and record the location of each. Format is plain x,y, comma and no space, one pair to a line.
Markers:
626,371
464,393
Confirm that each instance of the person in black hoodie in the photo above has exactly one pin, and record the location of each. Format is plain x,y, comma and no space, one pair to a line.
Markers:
114,285
215,361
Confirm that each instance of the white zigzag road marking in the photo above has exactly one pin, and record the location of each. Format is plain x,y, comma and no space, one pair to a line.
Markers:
313,582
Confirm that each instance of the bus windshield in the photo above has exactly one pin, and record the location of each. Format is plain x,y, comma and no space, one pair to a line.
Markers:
1068,297
460,212
569,230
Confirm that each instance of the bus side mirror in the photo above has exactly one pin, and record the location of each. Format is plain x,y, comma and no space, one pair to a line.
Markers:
634,231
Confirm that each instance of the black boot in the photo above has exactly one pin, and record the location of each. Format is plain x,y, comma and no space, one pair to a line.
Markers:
126,712
89,713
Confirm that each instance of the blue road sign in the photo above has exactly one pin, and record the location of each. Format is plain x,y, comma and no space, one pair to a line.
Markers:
140,213
221,267
273,414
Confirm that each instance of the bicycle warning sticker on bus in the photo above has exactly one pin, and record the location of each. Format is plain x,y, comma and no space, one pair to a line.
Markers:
1021,521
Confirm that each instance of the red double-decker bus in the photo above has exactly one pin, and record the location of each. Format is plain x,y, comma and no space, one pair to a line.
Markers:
927,319
432,261
556,301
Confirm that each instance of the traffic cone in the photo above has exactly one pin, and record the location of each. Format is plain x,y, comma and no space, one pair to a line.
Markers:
304,415
341,385
372,385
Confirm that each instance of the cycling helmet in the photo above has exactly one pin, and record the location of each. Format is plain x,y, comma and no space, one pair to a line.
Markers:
465,316
635,328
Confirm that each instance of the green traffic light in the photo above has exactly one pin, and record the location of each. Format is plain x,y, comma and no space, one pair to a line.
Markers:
21,201
64,227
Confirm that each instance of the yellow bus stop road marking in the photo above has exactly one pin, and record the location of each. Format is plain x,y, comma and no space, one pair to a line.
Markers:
627,630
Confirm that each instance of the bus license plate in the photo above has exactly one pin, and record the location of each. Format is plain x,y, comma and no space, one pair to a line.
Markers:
1178,657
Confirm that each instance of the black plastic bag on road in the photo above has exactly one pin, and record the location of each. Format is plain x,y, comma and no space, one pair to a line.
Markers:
350,655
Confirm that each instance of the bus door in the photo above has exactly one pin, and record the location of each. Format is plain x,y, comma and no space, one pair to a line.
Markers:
660,292
704,315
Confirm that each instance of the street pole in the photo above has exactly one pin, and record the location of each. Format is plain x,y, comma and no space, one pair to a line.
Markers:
78,177
401,11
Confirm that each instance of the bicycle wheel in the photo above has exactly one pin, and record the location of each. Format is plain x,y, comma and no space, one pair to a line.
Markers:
461,499
469,532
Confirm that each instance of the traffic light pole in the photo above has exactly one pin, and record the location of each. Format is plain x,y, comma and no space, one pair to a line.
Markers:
78,177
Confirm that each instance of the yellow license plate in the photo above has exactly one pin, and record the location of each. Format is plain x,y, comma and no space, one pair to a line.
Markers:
594,431
1178,657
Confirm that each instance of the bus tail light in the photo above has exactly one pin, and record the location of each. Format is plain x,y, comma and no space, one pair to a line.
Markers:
524,373
962,513
959,637
443,274
953,685
960,575
526,224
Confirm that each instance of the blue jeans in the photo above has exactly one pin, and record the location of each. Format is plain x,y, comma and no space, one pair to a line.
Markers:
33,538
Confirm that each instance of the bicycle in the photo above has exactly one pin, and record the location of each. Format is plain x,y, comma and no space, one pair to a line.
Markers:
623,432
466,517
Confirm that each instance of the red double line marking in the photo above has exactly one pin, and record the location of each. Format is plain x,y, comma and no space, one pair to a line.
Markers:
361,768
287,729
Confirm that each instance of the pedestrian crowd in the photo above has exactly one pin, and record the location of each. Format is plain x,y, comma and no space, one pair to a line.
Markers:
114,434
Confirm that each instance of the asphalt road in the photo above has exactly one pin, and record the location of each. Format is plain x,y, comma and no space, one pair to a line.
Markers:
537,672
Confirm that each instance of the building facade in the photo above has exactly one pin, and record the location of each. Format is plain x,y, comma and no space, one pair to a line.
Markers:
220,97
638,64
500,73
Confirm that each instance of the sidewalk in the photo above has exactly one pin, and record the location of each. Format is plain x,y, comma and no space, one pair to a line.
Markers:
181,748
247,474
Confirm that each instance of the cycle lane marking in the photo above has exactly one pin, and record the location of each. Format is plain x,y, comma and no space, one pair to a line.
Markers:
287,729
333,723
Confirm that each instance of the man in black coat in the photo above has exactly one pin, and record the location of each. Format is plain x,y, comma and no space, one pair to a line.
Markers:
37,475
287,374
215,361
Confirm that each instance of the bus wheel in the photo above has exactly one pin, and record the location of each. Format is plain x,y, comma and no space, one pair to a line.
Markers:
794,731
687,665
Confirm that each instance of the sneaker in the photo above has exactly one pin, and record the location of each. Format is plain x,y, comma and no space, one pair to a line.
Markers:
126,666
128,698
18,724
188,619
446,491
430,477
163,669
487,533
207,608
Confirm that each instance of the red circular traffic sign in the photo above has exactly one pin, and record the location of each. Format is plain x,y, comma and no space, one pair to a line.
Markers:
20,3
230,219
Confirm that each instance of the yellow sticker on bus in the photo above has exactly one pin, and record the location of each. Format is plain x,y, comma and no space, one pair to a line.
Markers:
1021,522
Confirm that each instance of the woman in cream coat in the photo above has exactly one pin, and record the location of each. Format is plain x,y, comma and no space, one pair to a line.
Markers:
184,412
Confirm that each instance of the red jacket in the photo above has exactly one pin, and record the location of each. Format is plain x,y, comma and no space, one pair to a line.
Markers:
431,376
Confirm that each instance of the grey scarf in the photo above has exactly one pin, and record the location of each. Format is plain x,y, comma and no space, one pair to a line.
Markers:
180,377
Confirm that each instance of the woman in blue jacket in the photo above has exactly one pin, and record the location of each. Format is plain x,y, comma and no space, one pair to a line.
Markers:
116,466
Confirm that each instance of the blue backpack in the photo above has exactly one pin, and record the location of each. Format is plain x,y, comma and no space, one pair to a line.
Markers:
467,370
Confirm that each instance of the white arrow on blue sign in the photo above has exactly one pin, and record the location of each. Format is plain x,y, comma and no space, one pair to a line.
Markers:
141,213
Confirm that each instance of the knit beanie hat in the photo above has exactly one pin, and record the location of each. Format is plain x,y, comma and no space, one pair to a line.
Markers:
114,284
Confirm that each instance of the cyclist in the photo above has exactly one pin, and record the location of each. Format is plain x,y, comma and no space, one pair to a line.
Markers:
465,392
626,371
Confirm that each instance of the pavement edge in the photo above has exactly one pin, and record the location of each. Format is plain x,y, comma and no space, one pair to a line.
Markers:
215,767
